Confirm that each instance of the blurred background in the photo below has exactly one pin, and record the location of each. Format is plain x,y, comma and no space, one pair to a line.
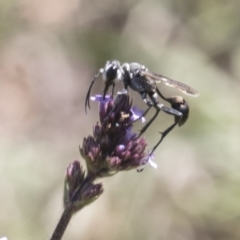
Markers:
49,53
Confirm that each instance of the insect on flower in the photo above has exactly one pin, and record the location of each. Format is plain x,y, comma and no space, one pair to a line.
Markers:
140,79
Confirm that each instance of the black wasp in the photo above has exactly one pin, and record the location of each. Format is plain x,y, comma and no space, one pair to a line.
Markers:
143,81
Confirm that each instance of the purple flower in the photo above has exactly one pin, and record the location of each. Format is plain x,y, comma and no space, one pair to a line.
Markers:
114,146
137,114
79,189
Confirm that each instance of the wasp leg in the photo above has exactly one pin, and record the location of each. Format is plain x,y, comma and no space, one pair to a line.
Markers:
150,104
146,100
158,106
144,114
143,130
113,86
125,89
178,116
107,86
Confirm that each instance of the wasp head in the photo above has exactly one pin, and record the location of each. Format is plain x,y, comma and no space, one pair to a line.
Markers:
111,72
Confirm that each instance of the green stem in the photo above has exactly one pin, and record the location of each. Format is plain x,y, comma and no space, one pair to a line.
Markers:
63,223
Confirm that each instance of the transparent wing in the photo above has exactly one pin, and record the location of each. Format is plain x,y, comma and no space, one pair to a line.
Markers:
169,82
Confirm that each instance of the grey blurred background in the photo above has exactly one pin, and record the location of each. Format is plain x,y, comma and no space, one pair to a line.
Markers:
49,52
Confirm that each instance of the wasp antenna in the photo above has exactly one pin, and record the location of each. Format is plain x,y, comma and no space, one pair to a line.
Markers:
87,102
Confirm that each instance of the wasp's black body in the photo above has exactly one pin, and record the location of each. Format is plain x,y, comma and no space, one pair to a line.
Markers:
140,79
133,80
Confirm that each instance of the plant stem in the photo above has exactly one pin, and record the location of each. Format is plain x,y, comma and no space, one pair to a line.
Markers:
63,223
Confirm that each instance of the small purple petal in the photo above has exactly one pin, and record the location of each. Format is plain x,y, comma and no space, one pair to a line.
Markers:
151,162
129,134
99,98
121,147
93,98
136,114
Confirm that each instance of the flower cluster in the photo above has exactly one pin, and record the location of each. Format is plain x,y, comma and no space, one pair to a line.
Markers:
79,189
114,146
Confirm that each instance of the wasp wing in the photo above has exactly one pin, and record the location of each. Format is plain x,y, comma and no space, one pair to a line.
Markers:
170,82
